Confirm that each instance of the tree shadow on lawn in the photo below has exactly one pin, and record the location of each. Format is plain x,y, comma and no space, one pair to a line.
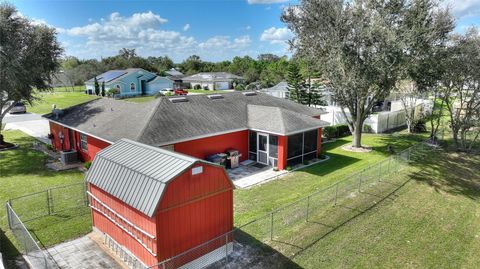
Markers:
452,172
252,253
399,142
336,162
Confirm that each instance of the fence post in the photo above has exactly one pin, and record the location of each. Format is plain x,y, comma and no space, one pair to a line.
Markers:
9,217
308,206
226,250
271,226
49,206
336,193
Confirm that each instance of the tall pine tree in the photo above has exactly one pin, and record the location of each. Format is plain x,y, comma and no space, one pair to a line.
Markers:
97,87
295,84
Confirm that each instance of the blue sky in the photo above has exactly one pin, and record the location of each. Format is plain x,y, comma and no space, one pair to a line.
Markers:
213,29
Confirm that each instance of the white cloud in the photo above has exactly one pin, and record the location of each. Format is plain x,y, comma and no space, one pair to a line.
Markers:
248,27
225,42
266,1
186,27
464,8
276,35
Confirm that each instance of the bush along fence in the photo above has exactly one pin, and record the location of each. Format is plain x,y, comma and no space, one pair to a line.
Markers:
287,231
69,199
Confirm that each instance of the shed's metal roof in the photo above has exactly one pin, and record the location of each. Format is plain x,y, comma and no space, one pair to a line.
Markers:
136,173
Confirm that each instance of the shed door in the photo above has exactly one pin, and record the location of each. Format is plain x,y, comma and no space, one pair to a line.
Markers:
262,148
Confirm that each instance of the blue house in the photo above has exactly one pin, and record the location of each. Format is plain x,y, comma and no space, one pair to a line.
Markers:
130,82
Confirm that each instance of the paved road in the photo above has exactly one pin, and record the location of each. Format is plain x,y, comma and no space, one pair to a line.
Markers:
29,123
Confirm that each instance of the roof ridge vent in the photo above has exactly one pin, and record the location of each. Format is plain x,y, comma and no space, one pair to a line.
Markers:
178,99
215,96
249,93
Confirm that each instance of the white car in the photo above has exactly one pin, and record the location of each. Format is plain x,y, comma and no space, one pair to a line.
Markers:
166,91
18,108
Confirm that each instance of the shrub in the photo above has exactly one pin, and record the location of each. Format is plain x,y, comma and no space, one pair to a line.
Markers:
419,126
322,157
197,87
87,165
306,162
288,168
240,87
336,131
275,169
367,128
49,147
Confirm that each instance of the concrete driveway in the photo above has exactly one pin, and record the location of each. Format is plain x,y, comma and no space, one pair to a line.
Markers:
29,123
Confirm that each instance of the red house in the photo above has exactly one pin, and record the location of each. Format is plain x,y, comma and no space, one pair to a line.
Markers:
154,204
265,129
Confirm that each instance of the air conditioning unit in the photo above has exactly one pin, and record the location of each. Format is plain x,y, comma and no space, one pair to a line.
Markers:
68,157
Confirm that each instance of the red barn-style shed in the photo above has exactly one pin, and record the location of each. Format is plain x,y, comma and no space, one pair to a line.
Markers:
156,204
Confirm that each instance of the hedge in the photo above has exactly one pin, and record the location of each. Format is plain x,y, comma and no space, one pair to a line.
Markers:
336,131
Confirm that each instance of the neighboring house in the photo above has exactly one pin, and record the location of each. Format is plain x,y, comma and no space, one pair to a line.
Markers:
177,78
213,80
146,201
130,82
280,90
265,129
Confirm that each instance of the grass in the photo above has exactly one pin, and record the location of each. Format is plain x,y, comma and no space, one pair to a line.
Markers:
432,221
60,99
22,171
140,99
254,202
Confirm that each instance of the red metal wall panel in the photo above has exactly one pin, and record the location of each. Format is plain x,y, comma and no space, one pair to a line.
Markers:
201,148
119,235
194,210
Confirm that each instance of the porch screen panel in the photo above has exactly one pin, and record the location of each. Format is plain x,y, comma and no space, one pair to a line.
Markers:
252,145
294,148
310,142
273,146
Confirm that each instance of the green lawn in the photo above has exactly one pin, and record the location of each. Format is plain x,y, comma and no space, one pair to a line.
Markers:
61,99
140,99
70,89
433,221
259,200
22,171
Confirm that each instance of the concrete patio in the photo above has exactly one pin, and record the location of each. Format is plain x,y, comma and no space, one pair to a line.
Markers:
82,253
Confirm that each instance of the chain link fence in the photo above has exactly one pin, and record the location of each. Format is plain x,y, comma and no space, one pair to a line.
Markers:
56,200
35,256
68,199
291,228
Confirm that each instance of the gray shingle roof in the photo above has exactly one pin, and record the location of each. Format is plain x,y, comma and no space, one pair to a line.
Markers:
162,122
211,77
137,174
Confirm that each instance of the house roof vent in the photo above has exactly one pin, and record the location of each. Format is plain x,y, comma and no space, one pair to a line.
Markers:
249,93
178,99
215,96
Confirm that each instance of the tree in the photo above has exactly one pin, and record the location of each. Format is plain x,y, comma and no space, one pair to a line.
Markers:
127,53
461,88
268,57
425,33
29,56
295,84
103,89
359,45
193,64
96,86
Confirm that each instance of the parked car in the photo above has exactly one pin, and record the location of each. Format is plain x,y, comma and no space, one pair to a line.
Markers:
166,92
19,107
181,92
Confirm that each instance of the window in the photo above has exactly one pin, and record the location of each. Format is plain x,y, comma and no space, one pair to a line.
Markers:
83,142
117,86
132,87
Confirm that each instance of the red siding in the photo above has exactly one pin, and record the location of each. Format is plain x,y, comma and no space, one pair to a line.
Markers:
201,148
123,238
282,152
194,209
319,142
94,144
